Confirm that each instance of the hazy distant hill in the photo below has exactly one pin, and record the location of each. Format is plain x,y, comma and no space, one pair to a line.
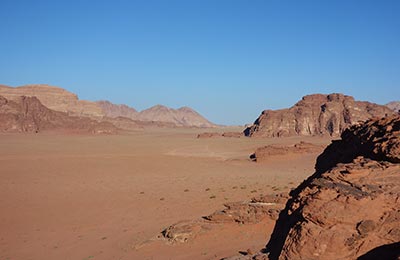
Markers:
394,105
184,116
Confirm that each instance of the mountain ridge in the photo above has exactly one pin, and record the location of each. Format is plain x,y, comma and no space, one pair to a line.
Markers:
60,99
394,105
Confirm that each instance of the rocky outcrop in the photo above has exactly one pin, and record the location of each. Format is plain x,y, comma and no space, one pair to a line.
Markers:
266,152
55,98
315,115
183,116
395,106
266,207
350,207
112,110
28,114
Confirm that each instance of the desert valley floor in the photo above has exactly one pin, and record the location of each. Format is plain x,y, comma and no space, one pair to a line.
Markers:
108,197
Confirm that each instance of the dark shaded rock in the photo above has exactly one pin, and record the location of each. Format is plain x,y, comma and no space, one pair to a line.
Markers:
387,252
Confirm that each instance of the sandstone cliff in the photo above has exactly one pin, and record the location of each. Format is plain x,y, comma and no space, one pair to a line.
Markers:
55,98
315,115
27,114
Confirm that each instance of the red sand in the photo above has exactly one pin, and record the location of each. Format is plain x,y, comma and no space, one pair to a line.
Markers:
106,197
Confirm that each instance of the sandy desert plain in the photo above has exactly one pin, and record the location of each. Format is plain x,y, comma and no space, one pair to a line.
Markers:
109,196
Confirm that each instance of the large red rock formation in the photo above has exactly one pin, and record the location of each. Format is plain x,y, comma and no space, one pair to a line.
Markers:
28,114
350,207
315,115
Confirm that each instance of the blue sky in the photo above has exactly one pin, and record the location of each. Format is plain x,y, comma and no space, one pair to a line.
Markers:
228,59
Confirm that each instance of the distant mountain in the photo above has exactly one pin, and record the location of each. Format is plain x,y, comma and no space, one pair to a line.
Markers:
184,116
28,114
316,114
59,99
394,105
112,110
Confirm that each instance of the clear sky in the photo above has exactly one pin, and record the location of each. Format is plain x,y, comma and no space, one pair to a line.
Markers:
228,59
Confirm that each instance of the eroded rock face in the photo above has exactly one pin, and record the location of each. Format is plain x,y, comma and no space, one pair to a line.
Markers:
315,115
350,207
28,114
55,98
